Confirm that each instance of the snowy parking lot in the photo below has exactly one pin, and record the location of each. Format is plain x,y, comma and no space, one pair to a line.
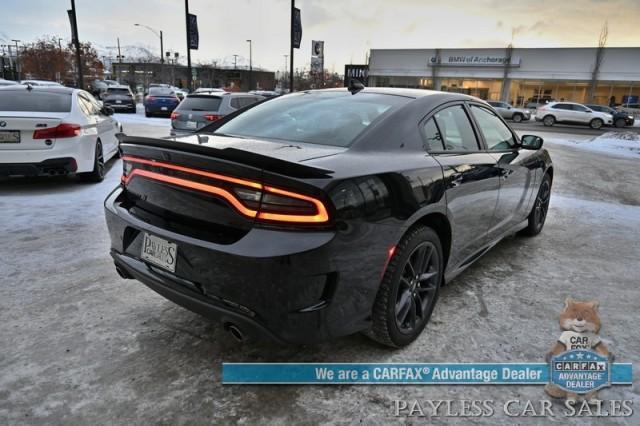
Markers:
81,345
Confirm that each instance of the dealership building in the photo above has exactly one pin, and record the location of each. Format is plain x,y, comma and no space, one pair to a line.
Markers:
514,75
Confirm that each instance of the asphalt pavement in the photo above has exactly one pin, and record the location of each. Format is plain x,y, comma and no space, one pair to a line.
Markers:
80,345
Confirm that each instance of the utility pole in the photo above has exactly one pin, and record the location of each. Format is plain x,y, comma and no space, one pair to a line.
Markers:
235,62
76,43
17,59
293,8
186,16
250,67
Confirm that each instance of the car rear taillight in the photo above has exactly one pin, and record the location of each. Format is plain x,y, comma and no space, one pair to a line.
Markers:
151,98
251,199
64,130
175,115
212,117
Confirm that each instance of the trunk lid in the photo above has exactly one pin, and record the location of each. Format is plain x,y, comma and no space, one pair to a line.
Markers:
17,131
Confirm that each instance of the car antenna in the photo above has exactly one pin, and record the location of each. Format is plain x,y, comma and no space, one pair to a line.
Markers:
355,86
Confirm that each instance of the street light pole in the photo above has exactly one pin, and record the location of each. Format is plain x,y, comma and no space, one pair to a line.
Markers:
235,62
158,34
284,76
250,67
189,70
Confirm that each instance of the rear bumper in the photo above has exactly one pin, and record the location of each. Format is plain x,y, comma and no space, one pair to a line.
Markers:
122,106
52,166
157,109
289,286
80,149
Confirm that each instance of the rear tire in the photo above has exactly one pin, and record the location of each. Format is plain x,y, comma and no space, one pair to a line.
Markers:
538,214
596,123
517,118
549,120
620,122
147,114
98,172
409,289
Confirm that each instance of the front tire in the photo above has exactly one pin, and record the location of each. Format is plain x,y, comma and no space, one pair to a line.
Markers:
549,120
98,172
409,289
517,118
620,122
538,214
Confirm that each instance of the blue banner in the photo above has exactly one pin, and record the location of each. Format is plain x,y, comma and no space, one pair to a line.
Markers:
412,373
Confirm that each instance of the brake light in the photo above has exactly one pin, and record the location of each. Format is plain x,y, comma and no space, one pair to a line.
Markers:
175,115
151,98
251,199
64,130
212,117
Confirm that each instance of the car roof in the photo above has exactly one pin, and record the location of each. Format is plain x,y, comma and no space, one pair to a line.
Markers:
36,89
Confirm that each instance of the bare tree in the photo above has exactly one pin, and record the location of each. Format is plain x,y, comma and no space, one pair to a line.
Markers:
602,43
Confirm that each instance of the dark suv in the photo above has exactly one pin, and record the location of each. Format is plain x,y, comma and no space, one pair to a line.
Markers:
620,118
120,98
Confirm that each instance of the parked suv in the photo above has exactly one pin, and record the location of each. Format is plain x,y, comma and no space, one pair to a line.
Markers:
120,98
200,109
509,112
620,118
572,113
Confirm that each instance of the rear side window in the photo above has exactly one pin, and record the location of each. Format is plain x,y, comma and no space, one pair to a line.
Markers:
579,108
566,107
24,100
496,134
433,140
200,103
456,129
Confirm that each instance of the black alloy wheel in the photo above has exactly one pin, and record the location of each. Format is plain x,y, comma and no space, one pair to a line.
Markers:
409,289
97,174
538,214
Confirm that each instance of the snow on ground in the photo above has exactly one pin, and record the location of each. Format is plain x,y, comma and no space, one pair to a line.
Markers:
623,144
139,118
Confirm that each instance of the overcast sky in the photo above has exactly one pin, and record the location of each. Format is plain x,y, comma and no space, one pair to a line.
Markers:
348,27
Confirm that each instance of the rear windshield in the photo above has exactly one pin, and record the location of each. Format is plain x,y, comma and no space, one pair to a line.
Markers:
324,118
112,91
200,103
161,91
23,100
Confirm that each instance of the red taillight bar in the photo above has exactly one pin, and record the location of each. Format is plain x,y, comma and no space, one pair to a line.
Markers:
321,215
63,130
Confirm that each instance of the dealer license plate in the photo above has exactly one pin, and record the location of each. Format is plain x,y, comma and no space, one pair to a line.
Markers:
159,252
118,102
163,108
10,136
192,125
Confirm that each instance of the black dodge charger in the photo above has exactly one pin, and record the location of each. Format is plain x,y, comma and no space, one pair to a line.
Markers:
324,213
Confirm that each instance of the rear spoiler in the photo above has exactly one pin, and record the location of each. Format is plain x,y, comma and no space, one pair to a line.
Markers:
248,158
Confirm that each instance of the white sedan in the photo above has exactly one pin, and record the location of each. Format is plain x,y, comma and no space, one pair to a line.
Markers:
53,131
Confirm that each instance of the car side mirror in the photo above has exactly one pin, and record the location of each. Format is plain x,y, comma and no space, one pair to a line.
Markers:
107,110
508,107
531,142
588,111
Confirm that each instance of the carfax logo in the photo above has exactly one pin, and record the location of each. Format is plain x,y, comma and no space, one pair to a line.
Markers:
579,361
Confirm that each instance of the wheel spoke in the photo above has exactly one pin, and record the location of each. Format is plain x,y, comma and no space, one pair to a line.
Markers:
427,276
403,306
412,317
